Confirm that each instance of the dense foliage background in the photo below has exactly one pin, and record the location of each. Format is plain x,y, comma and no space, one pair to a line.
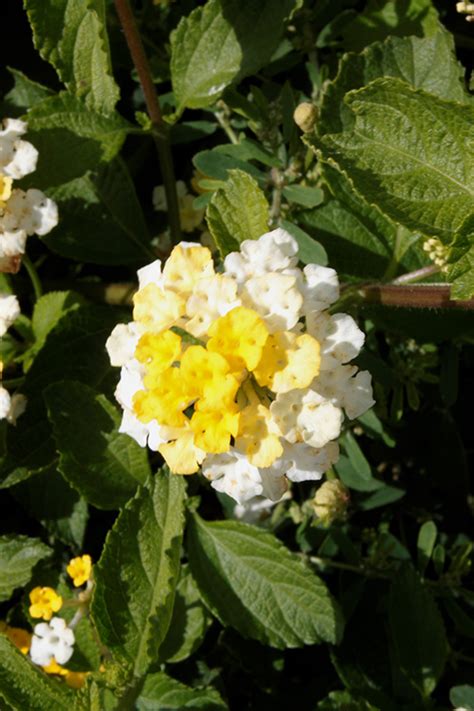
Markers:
396,556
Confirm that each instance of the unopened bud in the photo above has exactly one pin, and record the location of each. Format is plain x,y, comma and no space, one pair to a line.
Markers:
331,501
305,116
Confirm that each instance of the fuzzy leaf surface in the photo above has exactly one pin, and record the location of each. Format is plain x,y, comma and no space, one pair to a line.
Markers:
251,582
137,573
237,212
18,557
162,693
103,465
222,42
71,35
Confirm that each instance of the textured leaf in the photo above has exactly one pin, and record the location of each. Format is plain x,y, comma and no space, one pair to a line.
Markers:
222,42
49,309
18,557
417,631
425,544
71,35
301,195
138,572
237,212
391,17
71,139
26,92
162,693
461,263
74,349
24,686
427,63
395,163
310,251
251,582
86,204
217,164
360,241
462,696
189,622
102,465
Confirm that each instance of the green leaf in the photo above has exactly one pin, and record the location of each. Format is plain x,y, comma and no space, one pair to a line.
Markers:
309,250
137,573
71,139
103,465
247,149
337,700
251,582
302,195
223,42
18,557
425,544
461,262
189,622
217,164
162,693
237,212
74,349
417,630
427,63
393,162
71,35
49,310
26,92
393,17
86,204
383,496
47,497
462,696
24,686
360,241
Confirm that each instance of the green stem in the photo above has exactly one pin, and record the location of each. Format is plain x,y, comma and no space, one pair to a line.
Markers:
159,128
347,566
417,275
33,274
226,127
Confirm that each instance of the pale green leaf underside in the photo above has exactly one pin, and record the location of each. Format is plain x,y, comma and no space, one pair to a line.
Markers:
222,42
18,557
138,571
103,465
162,692
25,687
237,212
409,153
250,581
71,35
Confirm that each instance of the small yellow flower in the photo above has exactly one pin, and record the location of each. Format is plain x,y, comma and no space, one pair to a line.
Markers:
20,638
289,361
79,569
44,602
213,430
54,668
239,336
182,456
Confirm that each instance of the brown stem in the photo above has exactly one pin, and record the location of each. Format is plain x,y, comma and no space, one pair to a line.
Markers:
159,127
434,296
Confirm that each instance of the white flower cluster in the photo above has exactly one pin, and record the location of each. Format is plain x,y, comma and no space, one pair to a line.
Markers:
11,406
262,400
52,640
21,213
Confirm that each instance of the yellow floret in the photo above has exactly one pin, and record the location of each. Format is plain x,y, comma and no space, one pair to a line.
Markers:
44,602
80,569
158,350
164,401
182,456
213,430
185,266
239,336
258,436
157,309
199,368
288,362
5,189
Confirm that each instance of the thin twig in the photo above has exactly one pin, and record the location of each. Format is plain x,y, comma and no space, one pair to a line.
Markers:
434,296
33,274
159,127
417,275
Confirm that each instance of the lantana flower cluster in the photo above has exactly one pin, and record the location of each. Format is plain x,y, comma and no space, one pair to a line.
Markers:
22,213
243,373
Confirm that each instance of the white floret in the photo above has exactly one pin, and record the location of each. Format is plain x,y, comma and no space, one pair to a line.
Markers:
5,403
345,387
211,297
273,252
31,211
17,157
231,473
305,416
151,274
305,463
9,312
320,288
276,298
122,342
339,337
52,639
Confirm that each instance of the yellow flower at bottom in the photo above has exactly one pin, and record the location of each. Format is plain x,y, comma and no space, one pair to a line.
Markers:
44,602
213,430
20,638
288,362
80,569
239,336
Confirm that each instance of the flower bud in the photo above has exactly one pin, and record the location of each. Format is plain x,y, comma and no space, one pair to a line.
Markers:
305,116
330,502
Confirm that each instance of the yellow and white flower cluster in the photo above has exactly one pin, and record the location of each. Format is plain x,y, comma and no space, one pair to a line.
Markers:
11,406
245,372
21,213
